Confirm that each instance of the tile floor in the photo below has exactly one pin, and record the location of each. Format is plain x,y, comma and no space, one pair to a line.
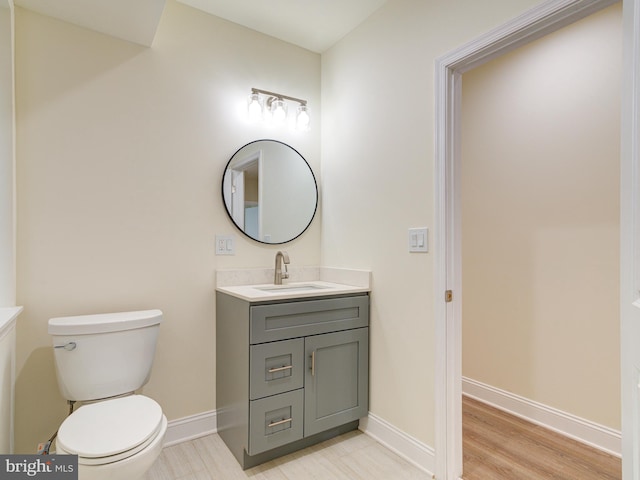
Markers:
352,456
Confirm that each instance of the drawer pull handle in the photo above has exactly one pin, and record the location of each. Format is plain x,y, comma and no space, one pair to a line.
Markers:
280,422
279,369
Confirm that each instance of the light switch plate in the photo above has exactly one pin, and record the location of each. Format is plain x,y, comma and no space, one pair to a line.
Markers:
418,240
225,245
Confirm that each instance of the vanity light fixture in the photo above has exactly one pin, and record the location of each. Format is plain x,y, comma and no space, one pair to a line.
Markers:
274,108
278,109
302,118
255,107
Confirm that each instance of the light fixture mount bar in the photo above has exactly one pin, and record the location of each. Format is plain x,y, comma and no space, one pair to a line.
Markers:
279,95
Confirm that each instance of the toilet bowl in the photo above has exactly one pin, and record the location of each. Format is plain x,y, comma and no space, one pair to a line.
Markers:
114,439
101,360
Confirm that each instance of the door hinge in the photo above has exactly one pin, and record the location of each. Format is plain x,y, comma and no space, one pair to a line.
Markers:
448,296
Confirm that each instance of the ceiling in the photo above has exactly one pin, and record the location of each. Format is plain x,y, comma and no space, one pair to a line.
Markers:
311,24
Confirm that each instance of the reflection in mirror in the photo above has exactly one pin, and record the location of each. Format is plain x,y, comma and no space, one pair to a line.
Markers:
269,191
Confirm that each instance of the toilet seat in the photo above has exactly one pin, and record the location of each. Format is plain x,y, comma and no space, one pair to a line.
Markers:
111,430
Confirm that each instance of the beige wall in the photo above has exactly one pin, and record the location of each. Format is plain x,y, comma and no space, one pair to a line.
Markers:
377,179
7,167
121,151
540,183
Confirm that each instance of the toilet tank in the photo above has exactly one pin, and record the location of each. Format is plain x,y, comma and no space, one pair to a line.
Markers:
100,356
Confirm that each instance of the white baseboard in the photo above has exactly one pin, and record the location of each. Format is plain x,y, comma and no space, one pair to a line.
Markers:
598,436
188,428
412,450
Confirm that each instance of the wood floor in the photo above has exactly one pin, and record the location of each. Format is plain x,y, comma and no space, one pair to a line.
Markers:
498,446
352,456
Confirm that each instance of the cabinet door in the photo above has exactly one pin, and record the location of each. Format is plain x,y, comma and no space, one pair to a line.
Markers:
336,379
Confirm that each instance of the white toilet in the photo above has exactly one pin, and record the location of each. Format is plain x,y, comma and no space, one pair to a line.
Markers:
100,361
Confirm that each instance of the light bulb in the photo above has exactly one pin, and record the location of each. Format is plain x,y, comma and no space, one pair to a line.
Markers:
302,118
278,110
254,107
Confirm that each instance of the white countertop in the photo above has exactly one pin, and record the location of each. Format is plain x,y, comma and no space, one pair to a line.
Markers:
8,317
253,284
269,291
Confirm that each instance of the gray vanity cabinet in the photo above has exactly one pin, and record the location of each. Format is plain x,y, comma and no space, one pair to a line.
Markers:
290,373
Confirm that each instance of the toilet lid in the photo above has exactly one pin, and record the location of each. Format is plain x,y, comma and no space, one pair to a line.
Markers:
110,427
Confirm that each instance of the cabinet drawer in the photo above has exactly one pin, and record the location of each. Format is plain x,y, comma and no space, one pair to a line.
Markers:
298,319
276,367
275,421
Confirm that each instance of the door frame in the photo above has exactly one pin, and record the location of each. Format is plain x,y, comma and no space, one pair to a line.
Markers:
533,24
236,187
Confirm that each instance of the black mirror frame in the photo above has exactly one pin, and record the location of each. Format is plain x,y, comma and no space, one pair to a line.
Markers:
315,183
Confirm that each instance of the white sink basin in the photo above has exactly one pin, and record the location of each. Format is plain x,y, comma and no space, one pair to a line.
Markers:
298,287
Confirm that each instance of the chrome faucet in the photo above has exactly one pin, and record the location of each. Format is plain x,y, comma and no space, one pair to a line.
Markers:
281,257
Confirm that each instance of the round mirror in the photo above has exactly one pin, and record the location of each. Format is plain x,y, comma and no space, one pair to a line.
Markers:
270,191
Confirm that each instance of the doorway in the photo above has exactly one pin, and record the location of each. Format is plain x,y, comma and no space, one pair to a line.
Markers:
243,193
540,183
534,24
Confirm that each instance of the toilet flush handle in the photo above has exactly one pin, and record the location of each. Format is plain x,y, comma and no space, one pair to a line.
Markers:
67,346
